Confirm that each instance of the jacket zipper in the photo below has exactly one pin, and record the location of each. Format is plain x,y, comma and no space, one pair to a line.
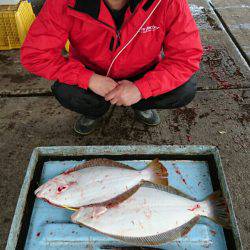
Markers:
124,47
118,38
118,32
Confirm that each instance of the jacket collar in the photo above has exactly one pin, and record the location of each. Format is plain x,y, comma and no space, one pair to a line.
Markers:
92,7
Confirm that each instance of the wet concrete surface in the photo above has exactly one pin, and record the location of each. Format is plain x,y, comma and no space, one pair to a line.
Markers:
235,15
15,79
219,115
222,65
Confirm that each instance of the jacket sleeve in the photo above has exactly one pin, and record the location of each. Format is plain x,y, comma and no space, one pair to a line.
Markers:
183,51
41,52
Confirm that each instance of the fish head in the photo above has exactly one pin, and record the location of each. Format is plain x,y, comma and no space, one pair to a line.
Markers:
57,189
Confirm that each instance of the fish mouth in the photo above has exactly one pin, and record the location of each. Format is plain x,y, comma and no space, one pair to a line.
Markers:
38,192
42,189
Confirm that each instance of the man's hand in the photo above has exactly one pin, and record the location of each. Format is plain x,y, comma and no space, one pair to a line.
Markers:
126,94
101,85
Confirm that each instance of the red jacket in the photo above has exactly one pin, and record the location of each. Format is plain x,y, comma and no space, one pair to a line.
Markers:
96,45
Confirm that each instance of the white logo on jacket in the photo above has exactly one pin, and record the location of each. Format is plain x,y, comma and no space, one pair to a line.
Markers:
149,28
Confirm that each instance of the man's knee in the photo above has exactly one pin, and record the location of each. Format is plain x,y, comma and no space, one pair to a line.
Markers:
63,93
174,99
185,93
79,100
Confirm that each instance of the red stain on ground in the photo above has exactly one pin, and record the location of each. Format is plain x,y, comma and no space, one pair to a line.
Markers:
189,138
224,84
208,49
213,232
38,234
237,98
194,208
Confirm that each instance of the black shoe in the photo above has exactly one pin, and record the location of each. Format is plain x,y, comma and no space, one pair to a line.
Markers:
149,117
85,126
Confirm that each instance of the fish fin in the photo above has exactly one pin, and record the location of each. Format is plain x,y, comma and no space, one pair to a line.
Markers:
99,210
220,213
69,208
168,189
140,241
158,173
75,216
93,211
120,198
98,162
160,238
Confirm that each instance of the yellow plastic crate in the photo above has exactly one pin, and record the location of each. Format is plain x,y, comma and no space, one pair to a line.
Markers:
15,21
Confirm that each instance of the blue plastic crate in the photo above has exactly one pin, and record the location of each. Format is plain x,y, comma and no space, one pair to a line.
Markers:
49,227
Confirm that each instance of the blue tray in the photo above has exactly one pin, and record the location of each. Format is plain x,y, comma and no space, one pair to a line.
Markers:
49,227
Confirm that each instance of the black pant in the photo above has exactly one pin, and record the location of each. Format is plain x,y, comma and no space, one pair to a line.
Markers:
93,106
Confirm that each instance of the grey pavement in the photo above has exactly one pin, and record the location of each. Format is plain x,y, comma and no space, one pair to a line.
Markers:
235,15
219,115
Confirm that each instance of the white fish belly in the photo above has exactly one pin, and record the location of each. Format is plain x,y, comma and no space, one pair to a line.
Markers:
97,184
148,212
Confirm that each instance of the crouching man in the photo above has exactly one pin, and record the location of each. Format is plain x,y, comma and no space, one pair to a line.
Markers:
116,56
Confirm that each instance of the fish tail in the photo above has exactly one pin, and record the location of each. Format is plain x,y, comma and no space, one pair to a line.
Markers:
157,173
217,209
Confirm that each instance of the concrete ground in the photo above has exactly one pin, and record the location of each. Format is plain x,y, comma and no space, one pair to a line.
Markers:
235,15
219,115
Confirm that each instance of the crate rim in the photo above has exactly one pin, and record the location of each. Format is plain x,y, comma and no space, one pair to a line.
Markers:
187,150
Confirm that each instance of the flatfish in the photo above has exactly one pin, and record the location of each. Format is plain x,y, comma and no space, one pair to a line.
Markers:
152,215
98,181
